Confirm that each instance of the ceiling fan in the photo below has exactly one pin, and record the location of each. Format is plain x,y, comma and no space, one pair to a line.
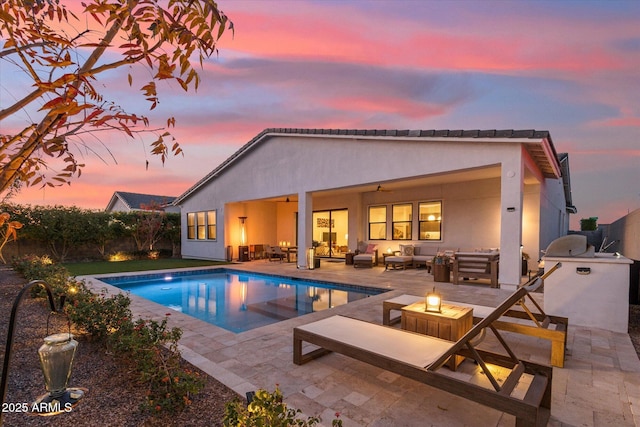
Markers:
381,189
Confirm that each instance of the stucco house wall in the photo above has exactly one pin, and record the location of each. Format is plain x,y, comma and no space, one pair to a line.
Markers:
488,187
626,231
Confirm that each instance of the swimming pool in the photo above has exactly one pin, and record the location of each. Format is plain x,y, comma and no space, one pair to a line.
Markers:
239,301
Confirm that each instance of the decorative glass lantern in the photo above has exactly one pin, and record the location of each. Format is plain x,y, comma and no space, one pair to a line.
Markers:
433,302
56,358
311,254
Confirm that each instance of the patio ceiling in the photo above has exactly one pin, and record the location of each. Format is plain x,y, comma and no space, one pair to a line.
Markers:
418,181
407,183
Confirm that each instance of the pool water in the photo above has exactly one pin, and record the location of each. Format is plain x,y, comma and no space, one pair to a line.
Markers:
239,301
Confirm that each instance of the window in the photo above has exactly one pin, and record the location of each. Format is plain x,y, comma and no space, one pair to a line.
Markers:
191,225
430,221
201,225
401,221
377,222
211,225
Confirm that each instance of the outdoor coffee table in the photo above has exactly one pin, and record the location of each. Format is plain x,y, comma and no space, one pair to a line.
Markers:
450,324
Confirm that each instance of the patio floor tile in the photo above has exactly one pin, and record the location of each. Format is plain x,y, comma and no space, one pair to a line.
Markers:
599,386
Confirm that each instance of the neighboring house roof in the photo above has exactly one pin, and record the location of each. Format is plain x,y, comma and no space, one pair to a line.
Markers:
540,148
137,201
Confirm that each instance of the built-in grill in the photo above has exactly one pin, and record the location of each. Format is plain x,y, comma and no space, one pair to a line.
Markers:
573,245
591,288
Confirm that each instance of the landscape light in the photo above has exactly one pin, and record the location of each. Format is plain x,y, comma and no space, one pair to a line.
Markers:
56,360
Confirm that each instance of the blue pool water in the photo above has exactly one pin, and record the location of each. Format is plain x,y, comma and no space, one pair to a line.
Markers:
239,301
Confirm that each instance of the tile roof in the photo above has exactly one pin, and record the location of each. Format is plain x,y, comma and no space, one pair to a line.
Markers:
137,201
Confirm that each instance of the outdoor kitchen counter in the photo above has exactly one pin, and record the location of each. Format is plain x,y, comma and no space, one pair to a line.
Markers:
590,291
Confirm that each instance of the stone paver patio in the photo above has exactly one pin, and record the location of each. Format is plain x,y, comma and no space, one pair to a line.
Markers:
599,385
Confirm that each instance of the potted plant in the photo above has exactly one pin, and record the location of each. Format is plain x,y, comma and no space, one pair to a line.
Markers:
441,259
441,268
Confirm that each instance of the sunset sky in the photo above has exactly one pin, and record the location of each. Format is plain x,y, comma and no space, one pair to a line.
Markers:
569,67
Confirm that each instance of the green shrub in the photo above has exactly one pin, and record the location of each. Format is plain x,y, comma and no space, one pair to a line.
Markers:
99,315
43,268
148,346
267,410
152,349
589,224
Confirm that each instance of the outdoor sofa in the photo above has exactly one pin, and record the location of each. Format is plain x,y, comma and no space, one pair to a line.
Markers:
366,258
415,255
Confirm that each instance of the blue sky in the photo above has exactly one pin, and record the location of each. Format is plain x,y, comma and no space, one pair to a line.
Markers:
569,67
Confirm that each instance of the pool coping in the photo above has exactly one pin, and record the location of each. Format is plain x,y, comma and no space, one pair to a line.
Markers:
369,291
193,328
599,361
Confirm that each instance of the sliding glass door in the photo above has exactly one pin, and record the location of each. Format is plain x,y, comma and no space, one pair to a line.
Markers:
330,230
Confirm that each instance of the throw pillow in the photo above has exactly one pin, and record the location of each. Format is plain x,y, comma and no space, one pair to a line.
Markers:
371,248
407,250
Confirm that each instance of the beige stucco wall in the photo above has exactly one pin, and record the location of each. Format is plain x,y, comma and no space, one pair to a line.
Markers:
627,231
475,212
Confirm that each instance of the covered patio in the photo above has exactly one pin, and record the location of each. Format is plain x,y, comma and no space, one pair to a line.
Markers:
339,190
599,385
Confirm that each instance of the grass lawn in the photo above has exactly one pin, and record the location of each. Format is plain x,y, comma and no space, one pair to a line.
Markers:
102,267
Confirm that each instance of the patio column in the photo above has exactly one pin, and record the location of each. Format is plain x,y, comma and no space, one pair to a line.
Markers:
511,188
305,224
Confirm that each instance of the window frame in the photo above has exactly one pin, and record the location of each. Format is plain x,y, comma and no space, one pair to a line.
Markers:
408,223
200,226
384,223
421,221
212,228
191,226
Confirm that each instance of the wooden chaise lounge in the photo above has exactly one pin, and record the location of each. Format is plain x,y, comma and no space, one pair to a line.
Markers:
421,357
533,323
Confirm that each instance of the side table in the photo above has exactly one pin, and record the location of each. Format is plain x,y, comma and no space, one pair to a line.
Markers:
450,324
348,258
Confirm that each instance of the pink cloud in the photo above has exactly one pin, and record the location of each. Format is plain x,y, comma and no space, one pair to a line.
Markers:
381,104
391,65
621,122
336,33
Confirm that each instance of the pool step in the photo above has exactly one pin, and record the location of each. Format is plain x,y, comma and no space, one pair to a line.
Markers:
280,309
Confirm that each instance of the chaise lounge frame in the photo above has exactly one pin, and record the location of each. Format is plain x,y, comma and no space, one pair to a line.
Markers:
532,410
538,324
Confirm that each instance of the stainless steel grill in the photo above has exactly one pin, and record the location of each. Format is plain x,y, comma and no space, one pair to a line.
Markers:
573,245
